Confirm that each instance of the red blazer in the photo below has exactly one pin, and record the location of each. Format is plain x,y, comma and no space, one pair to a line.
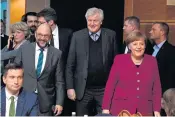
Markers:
130,87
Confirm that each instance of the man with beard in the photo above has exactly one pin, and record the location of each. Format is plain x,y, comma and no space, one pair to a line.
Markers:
43,71
30,19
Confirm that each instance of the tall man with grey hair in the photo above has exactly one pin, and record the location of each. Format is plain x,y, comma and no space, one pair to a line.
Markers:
90,57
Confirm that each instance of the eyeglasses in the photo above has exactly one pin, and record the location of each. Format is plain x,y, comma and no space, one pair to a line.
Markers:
39,35
39,23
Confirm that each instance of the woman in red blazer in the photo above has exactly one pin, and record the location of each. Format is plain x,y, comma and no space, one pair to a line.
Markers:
134,82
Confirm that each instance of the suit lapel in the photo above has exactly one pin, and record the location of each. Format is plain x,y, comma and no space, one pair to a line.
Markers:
20,103
3,102
33,69
48,60
161,49
60,39
104,44
86,44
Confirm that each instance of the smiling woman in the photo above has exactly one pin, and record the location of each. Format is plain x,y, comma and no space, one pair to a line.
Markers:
130,91
136,43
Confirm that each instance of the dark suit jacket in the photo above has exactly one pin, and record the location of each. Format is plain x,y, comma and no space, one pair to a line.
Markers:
64,42
65,36
4,41
27,103
122,93
50,83
166,63
77,63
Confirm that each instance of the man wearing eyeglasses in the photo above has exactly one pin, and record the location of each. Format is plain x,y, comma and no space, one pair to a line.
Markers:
43,73
61,40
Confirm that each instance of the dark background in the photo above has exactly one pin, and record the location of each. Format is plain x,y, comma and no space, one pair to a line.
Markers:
71,14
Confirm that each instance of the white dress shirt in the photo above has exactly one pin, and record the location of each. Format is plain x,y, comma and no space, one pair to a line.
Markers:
126,50
8,102
56,37
37,52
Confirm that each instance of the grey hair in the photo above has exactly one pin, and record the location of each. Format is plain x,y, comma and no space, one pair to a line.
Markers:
22,26
93,11
169,101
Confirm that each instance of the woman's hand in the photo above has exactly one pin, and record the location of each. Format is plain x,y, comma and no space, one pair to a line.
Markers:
11,37
105,111
156,114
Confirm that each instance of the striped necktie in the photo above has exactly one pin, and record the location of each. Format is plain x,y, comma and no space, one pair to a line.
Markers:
40,63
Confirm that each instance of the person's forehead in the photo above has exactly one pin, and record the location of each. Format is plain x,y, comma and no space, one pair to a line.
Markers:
14,71
127,22
29,17
44,28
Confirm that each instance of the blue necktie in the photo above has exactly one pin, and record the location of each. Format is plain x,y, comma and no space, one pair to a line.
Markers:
40,62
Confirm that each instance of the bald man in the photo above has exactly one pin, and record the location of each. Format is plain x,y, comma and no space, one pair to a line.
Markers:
43,72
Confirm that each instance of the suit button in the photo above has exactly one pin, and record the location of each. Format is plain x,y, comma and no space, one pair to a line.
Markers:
138,80
85,79
138,97
137,88
137,73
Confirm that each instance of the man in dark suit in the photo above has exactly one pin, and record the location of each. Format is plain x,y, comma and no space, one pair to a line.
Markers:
90,58
165,54
15,101
132,23
4,38
43,73
61,40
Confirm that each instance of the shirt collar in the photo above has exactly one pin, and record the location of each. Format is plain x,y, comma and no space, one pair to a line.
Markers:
2,35
55,31
98,33
160,44
8,95
38,48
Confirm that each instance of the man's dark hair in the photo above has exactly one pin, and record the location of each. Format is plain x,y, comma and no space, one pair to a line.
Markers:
48,14
133,20
164,26
11,66
24,17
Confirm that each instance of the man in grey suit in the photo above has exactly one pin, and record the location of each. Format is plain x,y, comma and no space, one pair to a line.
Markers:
43,71
89,61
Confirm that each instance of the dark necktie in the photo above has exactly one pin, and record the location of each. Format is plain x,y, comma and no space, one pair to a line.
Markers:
12,107
40,63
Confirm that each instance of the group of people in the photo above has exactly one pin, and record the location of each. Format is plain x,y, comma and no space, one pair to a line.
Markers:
53,71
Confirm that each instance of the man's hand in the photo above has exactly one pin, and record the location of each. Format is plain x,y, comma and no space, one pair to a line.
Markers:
71,94
58,109
156,114
106,111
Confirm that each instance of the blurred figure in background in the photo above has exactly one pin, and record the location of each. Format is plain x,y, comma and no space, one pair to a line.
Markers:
30,18
168,102
4,37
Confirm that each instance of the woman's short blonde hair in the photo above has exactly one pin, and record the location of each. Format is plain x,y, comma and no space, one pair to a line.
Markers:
169,102
135,36
22,26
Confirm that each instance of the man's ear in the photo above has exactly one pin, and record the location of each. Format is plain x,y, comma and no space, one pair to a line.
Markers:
51,22
4,79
